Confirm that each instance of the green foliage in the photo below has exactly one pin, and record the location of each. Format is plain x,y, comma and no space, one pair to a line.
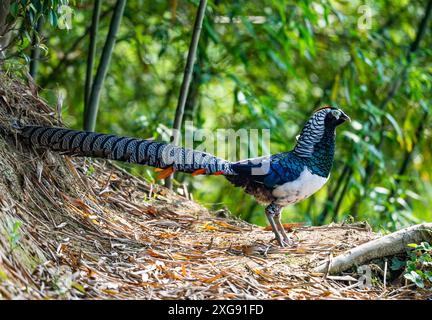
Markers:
270,73
26,14
13,232
32,10
418,268
90,170
3,276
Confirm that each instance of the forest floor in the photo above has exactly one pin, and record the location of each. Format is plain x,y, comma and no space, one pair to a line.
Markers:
78,229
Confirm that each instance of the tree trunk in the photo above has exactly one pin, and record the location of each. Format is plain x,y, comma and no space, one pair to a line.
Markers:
187,76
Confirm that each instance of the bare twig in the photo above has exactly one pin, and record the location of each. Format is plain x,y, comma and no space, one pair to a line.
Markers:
385,274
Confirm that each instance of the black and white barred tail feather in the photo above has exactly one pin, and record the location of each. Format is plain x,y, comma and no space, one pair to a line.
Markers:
140,151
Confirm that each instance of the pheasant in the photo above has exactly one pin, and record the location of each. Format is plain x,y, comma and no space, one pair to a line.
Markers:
276,181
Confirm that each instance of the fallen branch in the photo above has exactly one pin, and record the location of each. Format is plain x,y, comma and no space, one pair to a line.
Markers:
388,245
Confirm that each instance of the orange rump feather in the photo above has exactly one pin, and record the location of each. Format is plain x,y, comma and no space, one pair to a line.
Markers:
165,173
198,172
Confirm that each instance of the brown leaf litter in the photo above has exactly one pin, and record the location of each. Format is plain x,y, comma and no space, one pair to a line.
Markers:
69,232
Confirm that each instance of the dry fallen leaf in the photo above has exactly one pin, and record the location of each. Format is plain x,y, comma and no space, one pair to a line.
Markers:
207,226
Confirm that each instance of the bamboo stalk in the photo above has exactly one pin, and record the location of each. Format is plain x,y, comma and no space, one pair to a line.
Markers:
35,51
331,196
93,106
341,196
91,55
187,76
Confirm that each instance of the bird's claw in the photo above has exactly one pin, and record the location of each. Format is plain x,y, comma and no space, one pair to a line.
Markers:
286,242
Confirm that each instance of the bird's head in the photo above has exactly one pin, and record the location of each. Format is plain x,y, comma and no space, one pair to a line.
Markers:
323,120
333,116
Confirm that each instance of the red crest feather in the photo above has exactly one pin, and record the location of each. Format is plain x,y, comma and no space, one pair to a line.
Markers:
325,107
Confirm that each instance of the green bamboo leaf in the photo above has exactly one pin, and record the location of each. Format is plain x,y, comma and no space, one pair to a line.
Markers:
14,9
394,123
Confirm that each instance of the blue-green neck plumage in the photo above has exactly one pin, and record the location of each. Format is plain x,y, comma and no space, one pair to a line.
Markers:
321,161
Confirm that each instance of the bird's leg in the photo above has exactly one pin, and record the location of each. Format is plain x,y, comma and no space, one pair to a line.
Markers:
287,239
271,211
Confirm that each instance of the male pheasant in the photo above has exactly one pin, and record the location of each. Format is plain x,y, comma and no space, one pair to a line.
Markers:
277,180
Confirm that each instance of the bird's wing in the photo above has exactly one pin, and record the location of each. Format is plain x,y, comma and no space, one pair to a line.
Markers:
270,170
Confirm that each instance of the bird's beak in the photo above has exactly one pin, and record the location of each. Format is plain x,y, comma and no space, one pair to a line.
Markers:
344,117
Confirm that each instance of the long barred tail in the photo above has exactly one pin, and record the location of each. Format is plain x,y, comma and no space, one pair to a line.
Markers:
161,155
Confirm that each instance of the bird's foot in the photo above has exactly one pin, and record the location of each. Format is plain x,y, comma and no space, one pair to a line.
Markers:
273,211
290,242
285,242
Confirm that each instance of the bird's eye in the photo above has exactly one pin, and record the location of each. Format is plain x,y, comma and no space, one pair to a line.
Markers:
336,114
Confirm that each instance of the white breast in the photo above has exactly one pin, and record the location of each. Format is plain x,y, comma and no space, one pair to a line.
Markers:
304,186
